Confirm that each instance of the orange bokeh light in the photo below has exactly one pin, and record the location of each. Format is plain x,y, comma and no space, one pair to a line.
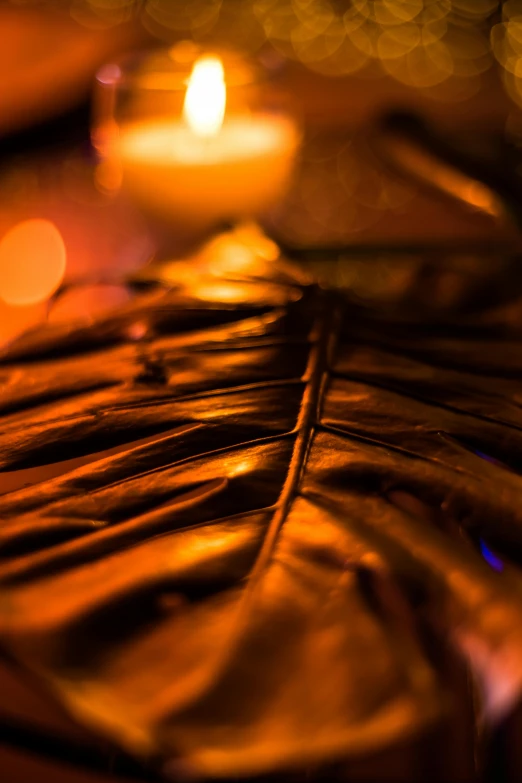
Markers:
32,262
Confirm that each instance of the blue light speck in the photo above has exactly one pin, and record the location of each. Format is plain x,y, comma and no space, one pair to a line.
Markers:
494,561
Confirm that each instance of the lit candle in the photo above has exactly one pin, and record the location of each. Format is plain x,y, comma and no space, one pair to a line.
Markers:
206,167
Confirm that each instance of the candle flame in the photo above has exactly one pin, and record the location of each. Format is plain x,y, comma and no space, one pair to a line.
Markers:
206,97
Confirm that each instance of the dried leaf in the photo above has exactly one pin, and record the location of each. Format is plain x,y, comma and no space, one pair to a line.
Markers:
286,575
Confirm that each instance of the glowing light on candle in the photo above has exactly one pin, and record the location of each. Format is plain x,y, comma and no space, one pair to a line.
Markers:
32,262
206,97
192,172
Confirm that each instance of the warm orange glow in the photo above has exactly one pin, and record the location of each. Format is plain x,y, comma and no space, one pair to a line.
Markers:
107,176
434,171
16,320
87,301
32,262
205,101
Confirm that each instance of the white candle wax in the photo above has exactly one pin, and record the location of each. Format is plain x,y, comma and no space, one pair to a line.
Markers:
182,178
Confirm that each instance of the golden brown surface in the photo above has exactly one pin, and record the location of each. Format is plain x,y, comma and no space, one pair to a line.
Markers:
288,578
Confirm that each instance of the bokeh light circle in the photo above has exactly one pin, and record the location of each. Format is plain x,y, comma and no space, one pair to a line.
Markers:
32,262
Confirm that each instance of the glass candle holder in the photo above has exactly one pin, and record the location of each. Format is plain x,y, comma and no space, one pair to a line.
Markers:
194,138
